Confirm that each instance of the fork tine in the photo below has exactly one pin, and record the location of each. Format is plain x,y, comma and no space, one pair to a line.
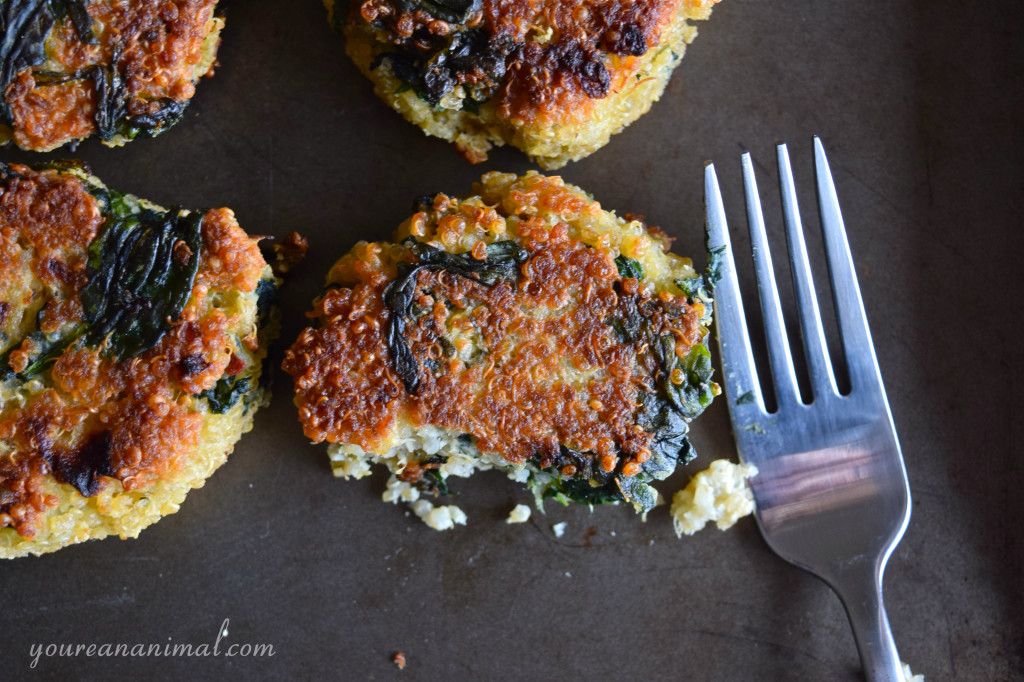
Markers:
779,358
853,323
733,340
822,380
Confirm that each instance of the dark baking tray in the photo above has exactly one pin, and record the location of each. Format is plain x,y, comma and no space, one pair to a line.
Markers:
919,105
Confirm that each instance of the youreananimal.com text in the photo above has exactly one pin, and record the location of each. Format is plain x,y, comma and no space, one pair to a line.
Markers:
219,647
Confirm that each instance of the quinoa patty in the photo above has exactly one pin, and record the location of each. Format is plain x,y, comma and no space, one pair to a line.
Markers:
71,68
556,79
524,329
131,342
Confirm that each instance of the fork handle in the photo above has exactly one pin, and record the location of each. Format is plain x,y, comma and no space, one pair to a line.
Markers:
860,589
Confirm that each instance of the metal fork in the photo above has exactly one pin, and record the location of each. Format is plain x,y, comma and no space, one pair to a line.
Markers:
832,495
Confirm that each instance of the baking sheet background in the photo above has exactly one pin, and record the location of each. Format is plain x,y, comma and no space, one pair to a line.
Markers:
918,104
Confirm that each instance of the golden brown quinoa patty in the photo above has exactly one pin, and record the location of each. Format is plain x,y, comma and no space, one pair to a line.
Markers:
131,342
554,78
523,328
71,68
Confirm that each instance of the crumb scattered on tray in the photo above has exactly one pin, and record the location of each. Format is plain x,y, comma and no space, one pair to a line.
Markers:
441,517
720,494
908,676
519,514
289,252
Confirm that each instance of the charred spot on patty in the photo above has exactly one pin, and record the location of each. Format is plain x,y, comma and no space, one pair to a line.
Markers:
630,40
193,364
81,467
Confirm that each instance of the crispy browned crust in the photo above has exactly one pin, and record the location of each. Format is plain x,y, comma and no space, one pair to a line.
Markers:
562,55
559,80
160,46
552,371
132,415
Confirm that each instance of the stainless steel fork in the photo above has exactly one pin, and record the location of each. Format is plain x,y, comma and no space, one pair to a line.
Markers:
832,495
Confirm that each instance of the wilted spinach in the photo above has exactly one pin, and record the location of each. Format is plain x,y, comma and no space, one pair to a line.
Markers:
502,263
435,71
591,484
629,268
746,399
266,299
141,269
49,348
694,392
669,447
24,25
112,116
581,490
699,287
433,483
667,413
226,393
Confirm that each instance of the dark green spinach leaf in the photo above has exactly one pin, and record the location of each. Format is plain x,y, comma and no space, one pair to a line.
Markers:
141,270
666,414
629,267
24,26
699,287
226,393
581,490
502,263
433,66
50,347
112,115
433,483
266,300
